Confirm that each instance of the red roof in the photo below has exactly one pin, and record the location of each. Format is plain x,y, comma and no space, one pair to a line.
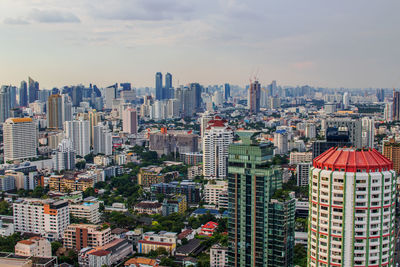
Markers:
155,243
99,253
351,160
210,225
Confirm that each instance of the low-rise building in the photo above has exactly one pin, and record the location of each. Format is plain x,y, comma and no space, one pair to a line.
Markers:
191,158
218,256
118,207
61,183
141,262
150,175
152,241
195,171
176,204
88,210
33,247
148,207
213,189
78,236
300,157
208,229
186,187
7,183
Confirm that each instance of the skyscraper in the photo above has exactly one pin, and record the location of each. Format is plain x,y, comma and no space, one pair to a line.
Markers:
94,119
33,88
20,139
77,92
388,112
281,142
168,90
217,138
78,131
368,132
23,94
254,97
159,86
66,108
380,94
396,105
205,118
64,158
54,112
110,95
102,140
227,91
352,206
346,100
129,121
260,225
5,104
196,87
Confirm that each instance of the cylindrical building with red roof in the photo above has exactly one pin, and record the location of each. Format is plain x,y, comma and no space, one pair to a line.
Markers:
352,209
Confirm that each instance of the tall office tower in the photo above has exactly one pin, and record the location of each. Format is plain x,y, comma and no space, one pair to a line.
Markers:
126,86
159,87
346,100
391,150
396,105
388,112
352,206
66,108
254,97
77,95
129,121
281,142
110,95
20,139
33,88
196,88
334,138
94,119
217,138
368,132
64,158
168,86
260,228
380,95
227,91
46,217
78,131
23,94
352,126
5,105
187,99
13,96
204,119
274,89
102,140
54,112
43,95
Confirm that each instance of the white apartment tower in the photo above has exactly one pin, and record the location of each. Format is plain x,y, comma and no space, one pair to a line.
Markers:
78,131
352,209
20,139
130,121
217,138
102,140
281,142
46,217
64,158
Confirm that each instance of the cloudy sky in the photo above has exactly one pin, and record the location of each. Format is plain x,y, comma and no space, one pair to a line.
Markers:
338,43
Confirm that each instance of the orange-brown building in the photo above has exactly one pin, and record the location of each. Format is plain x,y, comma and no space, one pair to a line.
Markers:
391,150
78,236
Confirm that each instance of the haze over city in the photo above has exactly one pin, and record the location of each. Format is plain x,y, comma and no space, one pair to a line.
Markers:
329,44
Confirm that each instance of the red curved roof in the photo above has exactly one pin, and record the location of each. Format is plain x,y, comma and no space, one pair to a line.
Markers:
351,160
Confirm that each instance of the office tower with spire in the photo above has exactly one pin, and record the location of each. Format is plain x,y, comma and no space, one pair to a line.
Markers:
78,131
5,104
54,112
33,89
254,97
216,140
20,139
23,94
129,121
159,86
352,209
261,216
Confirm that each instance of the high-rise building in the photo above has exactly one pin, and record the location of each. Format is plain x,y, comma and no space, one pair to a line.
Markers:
334,138
102,140
33,88
227,91
281,142
352,207
167,90
346,101
352,126
159,86
46,217
54,112
77,95
391,150
396,105
94,119
23,94
66,108
129,121
110,95
380,94
302,172
78,131
368,132
388,112
64,158
217,138
204,119
78,236
254,97
196,88
5,104
20,139
260,225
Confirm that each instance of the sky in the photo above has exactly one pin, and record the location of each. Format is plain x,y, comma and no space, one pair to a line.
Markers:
335,44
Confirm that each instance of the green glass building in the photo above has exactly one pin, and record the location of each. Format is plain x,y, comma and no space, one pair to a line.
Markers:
260,230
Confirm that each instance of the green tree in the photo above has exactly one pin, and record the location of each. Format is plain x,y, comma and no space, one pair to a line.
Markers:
55,246
300,255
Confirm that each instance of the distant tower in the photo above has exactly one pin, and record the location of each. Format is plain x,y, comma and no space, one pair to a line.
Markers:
5,104
167,94
396,105
388,113
33,88
227,91
159,87
78,131
54,112
23,94
346,101
129,121
254,97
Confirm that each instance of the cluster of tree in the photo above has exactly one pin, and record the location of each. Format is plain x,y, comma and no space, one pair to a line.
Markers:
38,192
171,223
300,255
5,208
120,220
7,243
291,185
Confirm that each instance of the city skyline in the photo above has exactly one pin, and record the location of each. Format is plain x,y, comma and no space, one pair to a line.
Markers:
212,42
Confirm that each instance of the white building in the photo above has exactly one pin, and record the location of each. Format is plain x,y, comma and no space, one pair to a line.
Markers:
204,119
299,157
46,217
281,142
346,100
388,112
102,140
352,207
78,131
217,138
64,158
368,132
130,121
33,247
302,171
88,210
213,189
20,139
218,256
